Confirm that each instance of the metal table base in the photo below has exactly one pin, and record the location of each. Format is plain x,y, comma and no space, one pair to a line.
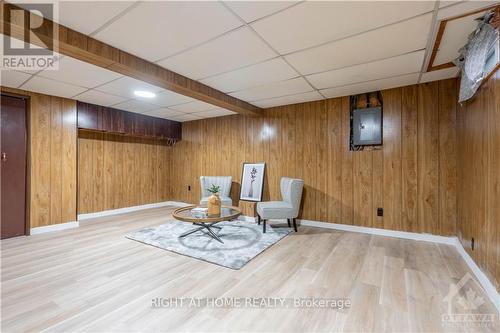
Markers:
203,226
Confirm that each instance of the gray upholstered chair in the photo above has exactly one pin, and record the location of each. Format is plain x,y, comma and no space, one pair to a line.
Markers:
225,189
288,208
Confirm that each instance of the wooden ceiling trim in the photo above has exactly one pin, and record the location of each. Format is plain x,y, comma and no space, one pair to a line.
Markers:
440,33
85,48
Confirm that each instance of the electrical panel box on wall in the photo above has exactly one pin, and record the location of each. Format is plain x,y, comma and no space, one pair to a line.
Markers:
367,126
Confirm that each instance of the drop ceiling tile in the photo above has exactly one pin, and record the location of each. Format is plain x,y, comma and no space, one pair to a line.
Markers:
404,64
265,72
79,73
377,44
312,23
135,106
163,113
154,30
99,98
364,87
291,99
51,87
214,113
87,16
447,3
276,89
13,79
193,107
126,86
231,51
455,37
185,117
253,10
168,98
441,74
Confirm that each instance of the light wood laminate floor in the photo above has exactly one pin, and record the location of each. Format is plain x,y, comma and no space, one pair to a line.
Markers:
93,279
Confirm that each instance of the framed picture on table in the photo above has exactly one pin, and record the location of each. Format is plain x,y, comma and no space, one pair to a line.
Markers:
252,181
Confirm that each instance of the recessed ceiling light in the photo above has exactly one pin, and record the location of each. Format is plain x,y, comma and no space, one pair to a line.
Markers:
143,93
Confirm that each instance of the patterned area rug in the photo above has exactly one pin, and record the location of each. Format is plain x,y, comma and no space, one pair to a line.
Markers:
243,241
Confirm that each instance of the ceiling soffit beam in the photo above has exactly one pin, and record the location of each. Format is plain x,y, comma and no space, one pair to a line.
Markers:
85,48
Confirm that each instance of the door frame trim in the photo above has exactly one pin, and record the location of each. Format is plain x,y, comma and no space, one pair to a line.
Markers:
27,172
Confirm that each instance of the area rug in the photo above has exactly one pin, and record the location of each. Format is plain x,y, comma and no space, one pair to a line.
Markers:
243,241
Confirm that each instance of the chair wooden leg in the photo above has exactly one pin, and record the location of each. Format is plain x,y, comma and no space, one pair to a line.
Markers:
258,219
264,226
288,221
295,225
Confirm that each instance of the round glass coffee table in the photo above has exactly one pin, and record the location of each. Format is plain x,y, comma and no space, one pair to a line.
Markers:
205,221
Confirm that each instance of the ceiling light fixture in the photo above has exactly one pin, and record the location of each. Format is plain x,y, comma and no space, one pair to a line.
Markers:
143,93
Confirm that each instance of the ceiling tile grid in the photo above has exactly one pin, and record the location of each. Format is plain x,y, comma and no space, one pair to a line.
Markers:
312,23
51,87
135,106
156,29
364,87
290,99
265,53
231,51
255,75
403,64
99,98
277,89
193,107
13,79
253,10
370,46
79,73
125,87
163,113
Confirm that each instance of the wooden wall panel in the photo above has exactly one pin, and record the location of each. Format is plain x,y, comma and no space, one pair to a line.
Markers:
447,155
52,197
311,141
116,171
392,158
409,158
428,159
478,177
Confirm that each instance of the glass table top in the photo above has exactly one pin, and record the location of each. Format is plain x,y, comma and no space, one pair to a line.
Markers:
201,213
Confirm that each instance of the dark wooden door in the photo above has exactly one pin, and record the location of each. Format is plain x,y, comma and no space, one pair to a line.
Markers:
13,166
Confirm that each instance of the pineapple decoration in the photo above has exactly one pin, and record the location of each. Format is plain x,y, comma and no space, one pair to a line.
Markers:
214,200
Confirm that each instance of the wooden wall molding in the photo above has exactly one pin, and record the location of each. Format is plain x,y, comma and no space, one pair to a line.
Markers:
85,48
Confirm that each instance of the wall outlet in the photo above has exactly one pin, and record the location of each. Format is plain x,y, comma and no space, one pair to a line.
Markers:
380,211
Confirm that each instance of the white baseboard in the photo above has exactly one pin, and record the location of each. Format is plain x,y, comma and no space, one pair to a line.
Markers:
382,232
488,287
54,227
82,217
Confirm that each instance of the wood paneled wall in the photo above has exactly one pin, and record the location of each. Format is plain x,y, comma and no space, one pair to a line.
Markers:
479,177
117,171
52,196
413,177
